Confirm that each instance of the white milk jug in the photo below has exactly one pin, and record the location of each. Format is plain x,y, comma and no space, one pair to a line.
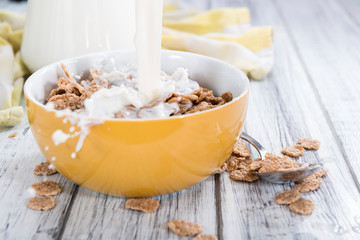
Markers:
58,29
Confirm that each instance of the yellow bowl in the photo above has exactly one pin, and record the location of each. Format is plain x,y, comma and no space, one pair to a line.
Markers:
138,158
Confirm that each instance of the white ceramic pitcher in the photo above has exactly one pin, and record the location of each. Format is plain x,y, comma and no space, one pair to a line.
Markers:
58,29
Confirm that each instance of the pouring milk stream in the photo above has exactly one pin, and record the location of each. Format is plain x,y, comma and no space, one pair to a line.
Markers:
60,29
65,28
148,46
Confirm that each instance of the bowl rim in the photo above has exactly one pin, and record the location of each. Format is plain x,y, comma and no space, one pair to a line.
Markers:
28,95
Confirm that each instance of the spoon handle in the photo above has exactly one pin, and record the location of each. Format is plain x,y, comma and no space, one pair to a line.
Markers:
262,151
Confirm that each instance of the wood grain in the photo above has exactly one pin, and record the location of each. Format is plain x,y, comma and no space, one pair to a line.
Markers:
352,8
282,108
338,86
97,216
18,158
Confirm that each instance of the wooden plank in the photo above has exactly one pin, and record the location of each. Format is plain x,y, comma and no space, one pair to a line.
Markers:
18,157
283,107
352,8
98,216
329,50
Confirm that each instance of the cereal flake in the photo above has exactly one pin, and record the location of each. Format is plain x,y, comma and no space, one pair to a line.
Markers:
66,71
287,196
215,100
255,164
303,206
204,237
202,106
43,169
13,135
47,188
147,205
321,173
273,163
227,96
184,228
233,163
243,175
241,150
41,203
309,144
295,151
67,100
311,182
308,184
221,169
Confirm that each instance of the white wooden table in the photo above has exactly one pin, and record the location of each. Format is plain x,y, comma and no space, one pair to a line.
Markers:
313,91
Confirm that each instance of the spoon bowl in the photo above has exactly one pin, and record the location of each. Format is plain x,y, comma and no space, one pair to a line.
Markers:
283,176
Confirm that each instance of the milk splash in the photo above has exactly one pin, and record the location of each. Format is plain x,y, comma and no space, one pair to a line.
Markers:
82,122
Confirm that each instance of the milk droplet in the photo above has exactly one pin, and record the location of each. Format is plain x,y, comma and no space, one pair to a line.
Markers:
30,192
73,155
46,148
72,129
51,166
339,230
59,137
53,158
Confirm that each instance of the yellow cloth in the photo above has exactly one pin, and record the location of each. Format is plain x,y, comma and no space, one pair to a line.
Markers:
223,33
12,69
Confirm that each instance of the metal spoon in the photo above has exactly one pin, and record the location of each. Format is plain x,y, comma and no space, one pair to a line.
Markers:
283,176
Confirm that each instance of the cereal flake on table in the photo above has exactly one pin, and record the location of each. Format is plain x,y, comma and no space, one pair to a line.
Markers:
41,203
47,188
204,237
147,205
309,144
44,168
303,206
311,182
295,151
184,228
13,135
287,196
